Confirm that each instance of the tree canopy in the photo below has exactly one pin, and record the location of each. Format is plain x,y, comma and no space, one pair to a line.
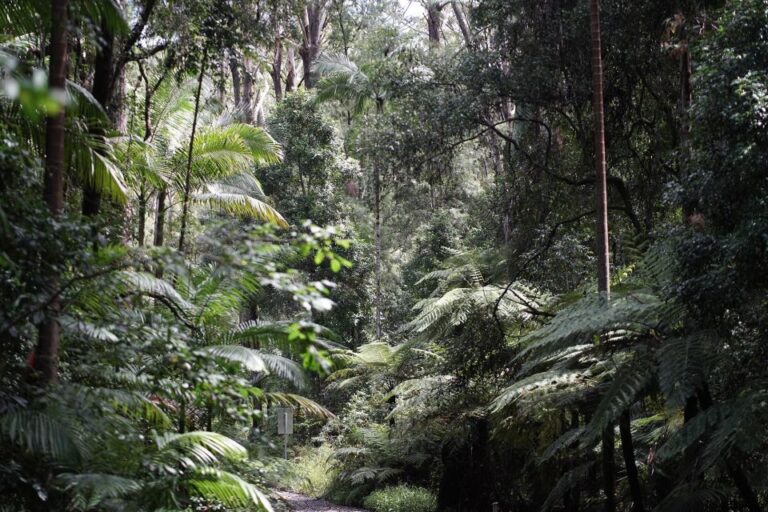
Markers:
495,255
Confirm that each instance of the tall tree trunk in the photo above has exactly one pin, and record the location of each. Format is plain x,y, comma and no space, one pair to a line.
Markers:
188,171
277,69
159,240
686,95
461,19
234,69
290,72
247,98
609,469
103,68
49,335
312,25
377,235
628,451
141,234
603,257
434,21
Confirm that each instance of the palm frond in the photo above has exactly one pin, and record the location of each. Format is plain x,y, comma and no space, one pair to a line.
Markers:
304,404
229,489
240,204
39,433
194,450
90,490
258,361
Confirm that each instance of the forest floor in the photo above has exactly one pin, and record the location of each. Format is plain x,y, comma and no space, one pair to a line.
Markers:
300,503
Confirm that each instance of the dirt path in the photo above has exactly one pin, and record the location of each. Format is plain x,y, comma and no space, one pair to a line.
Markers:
299,503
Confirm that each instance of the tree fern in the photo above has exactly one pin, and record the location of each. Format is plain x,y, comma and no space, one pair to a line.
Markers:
628,383
572,479
684,364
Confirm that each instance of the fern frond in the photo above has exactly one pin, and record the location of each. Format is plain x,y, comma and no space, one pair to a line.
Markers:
629,382
572,479
304,404
684,364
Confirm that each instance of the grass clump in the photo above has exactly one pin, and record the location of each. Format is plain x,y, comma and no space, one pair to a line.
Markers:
401,498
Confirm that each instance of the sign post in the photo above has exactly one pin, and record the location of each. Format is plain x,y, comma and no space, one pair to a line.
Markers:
285,426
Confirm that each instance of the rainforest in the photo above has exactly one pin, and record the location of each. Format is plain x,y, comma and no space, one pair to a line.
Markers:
383,255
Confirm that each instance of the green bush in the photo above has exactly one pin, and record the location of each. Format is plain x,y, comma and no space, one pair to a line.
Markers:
401,498
312,472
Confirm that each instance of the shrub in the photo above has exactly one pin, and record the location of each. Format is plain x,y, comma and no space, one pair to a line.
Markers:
401,498
312,472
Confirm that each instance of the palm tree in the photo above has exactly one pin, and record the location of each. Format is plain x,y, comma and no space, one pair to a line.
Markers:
342,80
220,166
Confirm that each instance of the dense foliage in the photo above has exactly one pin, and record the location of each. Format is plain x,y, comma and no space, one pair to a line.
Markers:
395,219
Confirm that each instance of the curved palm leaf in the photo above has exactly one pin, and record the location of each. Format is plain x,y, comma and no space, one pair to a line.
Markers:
229,489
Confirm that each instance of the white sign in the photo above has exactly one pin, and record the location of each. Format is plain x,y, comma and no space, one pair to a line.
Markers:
285,420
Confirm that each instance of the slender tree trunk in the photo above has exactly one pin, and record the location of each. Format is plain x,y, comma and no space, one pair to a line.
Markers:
609,469
182,427
141,235
49,335
686,95
603,257
290,72
103,69
188,171
377,235
234,69
461,19
434,21
277,69
247,98
159,240
628,451
312,25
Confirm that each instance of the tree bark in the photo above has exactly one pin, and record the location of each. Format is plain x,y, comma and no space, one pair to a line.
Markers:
107,75
234,69
49,334
102,90
461,19
377,235
290,72
141,234
188,171
434,21
628,451
159,240
601,182
277,69
603,256
247,98
609,469
312,25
